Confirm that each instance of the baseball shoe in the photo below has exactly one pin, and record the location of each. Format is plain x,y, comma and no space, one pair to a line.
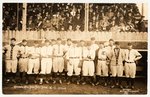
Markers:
121,87
78,83
7,81
54,82
60,81
83,83
97,83
47,82
92,84
35,81
26,82
112,86
132,87
105,84
13,81
68,83
127,87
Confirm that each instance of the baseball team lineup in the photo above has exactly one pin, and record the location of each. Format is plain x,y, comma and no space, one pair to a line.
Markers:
74,62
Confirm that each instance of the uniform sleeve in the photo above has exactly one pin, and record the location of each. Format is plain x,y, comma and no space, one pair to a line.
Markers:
67,54
93,54
137,54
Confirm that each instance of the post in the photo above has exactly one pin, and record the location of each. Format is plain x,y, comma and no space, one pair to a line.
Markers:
24,17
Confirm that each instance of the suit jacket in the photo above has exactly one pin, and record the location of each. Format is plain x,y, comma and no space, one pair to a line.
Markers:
114,61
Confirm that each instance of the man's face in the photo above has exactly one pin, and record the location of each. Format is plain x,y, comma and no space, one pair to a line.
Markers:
59,41
101,46
117,46
36,44
47,43
130,47
92,41
74,44
24,43
82,43
111,43
53,42
13,42
69,42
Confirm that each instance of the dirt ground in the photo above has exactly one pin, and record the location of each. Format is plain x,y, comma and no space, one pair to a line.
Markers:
140,88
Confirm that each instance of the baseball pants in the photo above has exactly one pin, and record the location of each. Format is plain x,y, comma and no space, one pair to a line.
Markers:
116,70
102,68
33,65
130,70
58,64
88,68
23,64
46,65
73,65
11,66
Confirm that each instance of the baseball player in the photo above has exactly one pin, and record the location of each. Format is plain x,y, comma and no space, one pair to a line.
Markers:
67,47
109,46
94,46
102,68
46,61
73,59
58,60
23,60
131,56
116,65
12,52
34,61
88,67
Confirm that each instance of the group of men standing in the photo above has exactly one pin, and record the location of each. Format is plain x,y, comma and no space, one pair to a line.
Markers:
86,62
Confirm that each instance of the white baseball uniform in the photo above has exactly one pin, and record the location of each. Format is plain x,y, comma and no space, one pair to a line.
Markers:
102,68
34,61
94,47
23,61
46,61
58,60
88,64
11,58
130,66
74,57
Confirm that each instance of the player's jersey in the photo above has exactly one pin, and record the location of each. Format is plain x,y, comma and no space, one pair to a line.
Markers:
11,52
130,55
46,51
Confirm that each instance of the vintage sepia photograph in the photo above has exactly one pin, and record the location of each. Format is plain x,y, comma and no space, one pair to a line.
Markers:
75,48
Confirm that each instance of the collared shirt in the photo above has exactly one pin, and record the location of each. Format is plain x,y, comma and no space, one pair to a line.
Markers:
11,53
34,51
74,52
94,47
58,50
24,51
109,49
46,51
130,55
82,48
89,53
102,53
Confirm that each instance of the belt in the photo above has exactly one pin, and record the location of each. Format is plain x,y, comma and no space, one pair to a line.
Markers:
33,58
58,56
88,60
102,59
129,62
24,57
74,57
